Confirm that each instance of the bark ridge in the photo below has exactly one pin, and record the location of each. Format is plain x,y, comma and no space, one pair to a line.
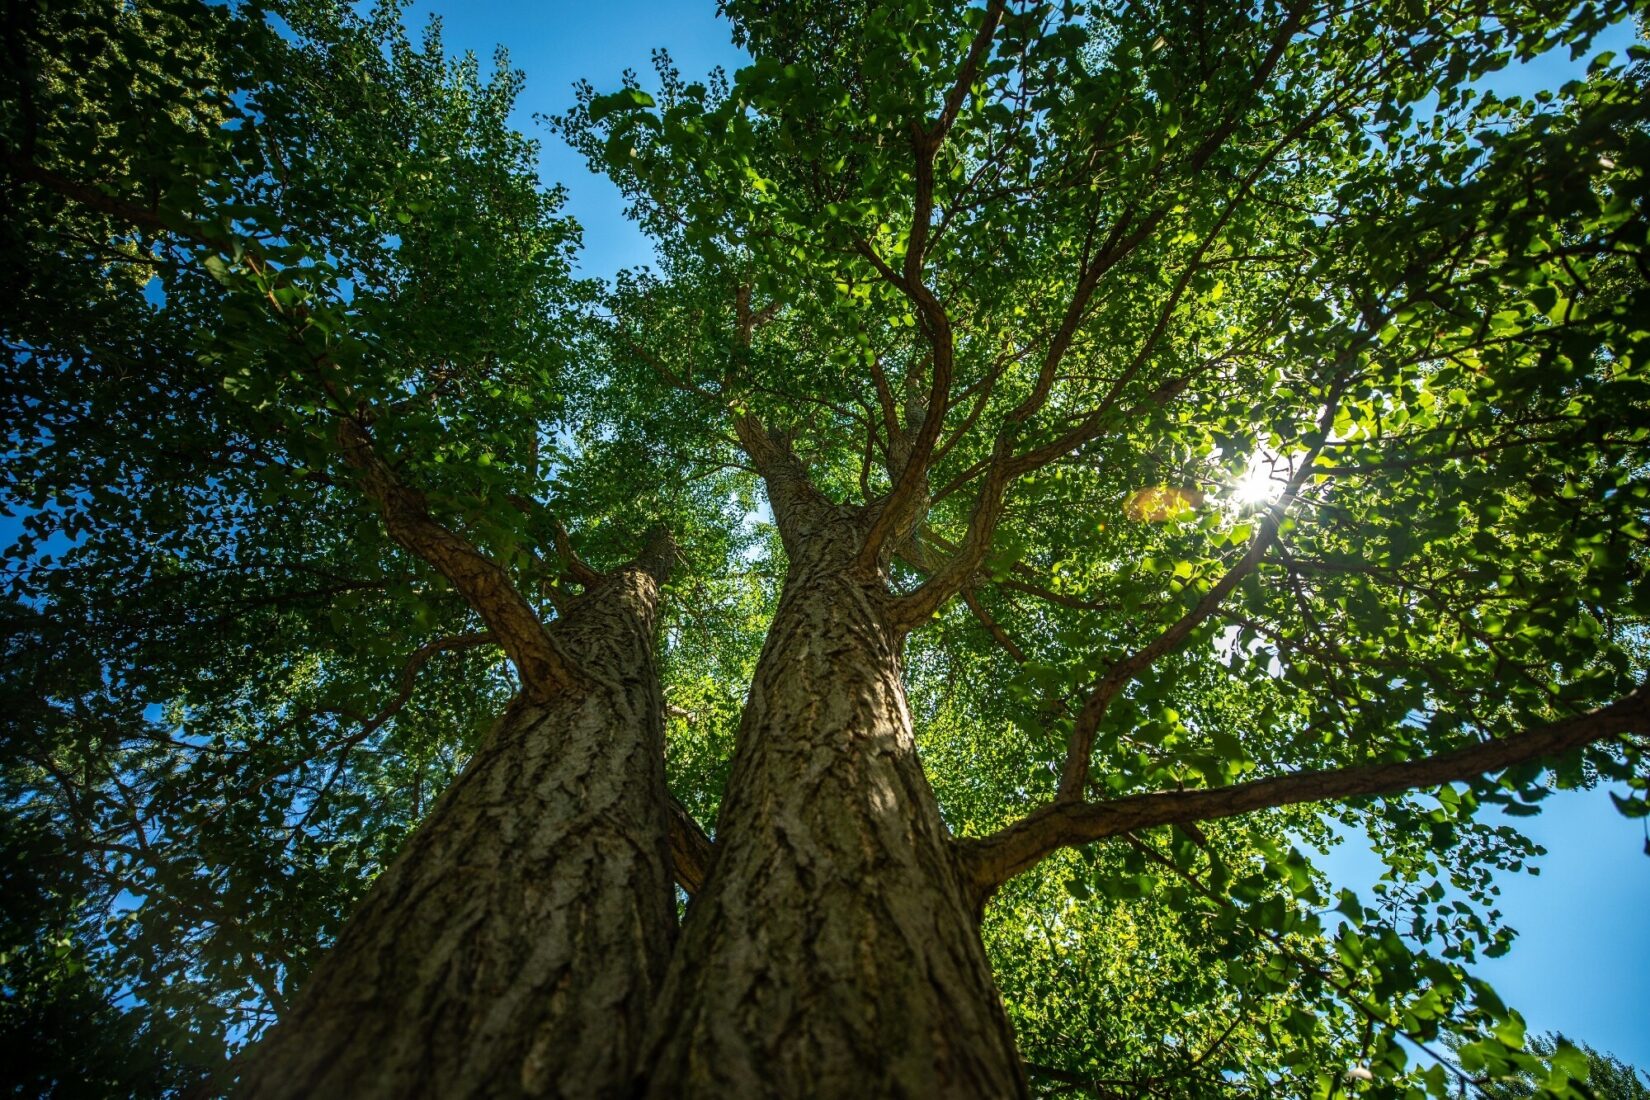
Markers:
515,946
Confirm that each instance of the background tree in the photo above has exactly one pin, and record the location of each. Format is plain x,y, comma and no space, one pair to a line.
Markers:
1605,1076
1170,419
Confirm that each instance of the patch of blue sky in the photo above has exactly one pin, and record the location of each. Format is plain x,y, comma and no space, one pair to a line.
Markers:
557,45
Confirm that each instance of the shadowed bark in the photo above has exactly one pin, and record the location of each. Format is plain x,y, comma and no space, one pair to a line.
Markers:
514,947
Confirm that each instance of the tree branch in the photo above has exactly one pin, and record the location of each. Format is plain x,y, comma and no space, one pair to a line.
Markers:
790,491
545,671
97,199
909,493
576,567
977,51
951,575
991,861
691,851
482,582
1004,466
1075,771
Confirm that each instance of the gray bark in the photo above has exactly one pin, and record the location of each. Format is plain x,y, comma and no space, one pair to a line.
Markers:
515,946
834,949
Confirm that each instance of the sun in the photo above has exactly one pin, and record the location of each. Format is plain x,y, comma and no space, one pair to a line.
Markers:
1261,482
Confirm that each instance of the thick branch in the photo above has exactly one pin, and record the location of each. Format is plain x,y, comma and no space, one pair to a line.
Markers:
483,583
96,198
570,560
480,580
993,860
691,851
790,491
659,555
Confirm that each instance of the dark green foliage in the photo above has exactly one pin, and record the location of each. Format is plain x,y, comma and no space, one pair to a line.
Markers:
230,695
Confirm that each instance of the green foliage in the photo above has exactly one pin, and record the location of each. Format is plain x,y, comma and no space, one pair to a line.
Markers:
1599,1075
1237,252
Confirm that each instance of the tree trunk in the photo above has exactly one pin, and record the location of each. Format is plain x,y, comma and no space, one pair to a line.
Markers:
833,950
515,946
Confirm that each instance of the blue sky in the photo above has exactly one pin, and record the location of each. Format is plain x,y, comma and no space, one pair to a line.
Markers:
1582,962
558,43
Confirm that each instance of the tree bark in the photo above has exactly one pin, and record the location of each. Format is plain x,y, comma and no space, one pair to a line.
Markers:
833,950
515,946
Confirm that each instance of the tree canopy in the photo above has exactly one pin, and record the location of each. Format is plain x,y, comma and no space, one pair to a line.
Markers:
1254,409
1607,1077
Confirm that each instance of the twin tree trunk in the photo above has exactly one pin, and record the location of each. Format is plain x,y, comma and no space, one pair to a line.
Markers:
519,946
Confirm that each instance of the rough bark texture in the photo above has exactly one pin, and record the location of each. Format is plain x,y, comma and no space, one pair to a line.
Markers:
516,945
833,950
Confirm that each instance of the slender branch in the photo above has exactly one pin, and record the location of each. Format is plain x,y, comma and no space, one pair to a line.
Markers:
993,860
96,198
408,677
993,627
952,574
926,142
977,51
1075,771
1306,964
885,402
909,493
1025,578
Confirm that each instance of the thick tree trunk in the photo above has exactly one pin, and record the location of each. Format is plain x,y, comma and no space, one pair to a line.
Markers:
515,946
833,950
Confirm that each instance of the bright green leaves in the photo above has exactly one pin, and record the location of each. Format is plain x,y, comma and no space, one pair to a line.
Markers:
626,99
1221,243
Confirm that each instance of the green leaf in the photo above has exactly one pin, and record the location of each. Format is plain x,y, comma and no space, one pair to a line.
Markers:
625,99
